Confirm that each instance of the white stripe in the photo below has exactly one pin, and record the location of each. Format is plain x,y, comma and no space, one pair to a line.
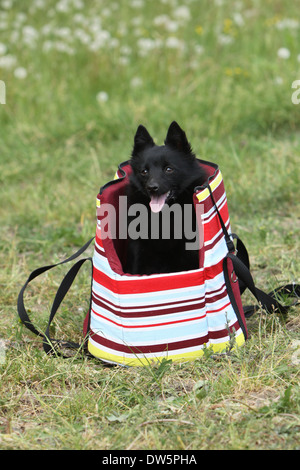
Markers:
215,254
143,340
212,211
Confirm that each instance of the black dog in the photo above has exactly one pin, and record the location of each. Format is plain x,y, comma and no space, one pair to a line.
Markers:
162,176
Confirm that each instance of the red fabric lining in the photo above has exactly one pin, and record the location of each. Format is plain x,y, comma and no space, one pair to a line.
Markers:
115,249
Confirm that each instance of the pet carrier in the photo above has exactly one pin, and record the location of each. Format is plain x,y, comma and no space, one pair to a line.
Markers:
140,319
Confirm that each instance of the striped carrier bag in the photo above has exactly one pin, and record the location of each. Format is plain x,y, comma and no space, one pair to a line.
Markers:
135,320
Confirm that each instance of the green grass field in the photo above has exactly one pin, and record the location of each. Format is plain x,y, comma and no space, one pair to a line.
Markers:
79,77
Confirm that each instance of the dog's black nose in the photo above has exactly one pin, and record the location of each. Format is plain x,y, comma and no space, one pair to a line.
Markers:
152,187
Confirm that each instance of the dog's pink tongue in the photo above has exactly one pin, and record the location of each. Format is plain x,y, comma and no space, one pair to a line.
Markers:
157,202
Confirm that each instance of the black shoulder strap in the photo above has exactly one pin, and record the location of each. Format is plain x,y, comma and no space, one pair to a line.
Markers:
61,292
240,260
267,301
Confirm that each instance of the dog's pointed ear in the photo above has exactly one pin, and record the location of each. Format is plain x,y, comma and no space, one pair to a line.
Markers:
142,139
176,138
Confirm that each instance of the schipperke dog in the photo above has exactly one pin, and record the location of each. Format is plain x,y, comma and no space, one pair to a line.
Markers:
162,177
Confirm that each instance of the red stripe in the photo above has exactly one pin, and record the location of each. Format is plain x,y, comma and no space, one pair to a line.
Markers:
174,303
150,325
147,349
209,216
211,297
156,311
210,246
218,309
148,284
169,308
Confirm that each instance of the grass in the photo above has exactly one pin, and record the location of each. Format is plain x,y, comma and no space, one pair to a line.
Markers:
224,83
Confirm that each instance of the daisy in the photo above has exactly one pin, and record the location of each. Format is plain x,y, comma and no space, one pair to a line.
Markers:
283,53
20,73
102,97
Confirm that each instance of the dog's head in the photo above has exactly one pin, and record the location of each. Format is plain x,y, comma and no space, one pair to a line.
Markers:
162,172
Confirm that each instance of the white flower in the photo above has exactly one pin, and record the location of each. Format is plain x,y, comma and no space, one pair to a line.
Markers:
64,32
161,20
83,37
63,47
182,13
146,45
124,60
30,32
136,21
7,61
79,18
47,46
102,97
7,4
62,6
3,25
105,12
225,39
60,46
278,80
113,43
30,35
46,29
20,17
166,22
199,49
283,53
137,3
3,48
14,37
125,50
40,4
287,23
238,19
78,4
136,82
20,72
174,43
171,26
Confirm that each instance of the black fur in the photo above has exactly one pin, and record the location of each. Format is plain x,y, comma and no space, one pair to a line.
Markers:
171,170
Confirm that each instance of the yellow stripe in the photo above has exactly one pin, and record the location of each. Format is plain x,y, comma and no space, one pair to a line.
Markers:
205,193
144,361
97,203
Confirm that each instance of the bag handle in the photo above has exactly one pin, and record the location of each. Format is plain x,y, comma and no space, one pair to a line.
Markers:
49,344
267,301
62,291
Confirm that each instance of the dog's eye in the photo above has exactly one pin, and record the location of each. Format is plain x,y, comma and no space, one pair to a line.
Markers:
169,169
144,172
